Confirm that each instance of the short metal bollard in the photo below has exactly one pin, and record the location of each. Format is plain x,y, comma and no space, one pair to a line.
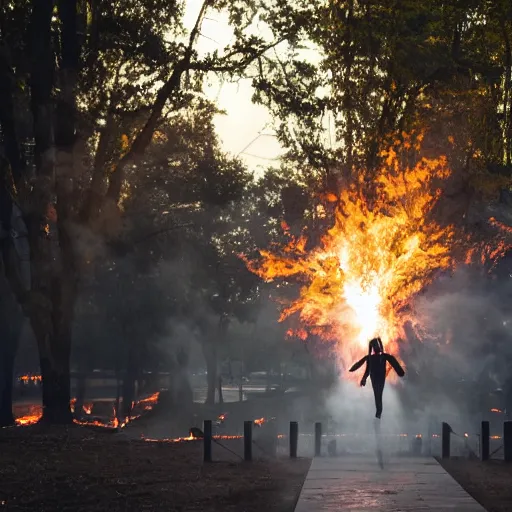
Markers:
507,441
485,432
207,441
318,439
294,439
248,440
445,440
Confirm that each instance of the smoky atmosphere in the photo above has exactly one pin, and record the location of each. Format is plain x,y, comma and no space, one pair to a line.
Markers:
255,255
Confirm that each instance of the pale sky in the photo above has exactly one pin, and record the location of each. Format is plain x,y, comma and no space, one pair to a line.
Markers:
246,130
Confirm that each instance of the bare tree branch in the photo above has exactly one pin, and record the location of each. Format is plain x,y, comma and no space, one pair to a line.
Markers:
143,138
226,65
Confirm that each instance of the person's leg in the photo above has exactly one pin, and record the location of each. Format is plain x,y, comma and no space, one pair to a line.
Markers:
378,389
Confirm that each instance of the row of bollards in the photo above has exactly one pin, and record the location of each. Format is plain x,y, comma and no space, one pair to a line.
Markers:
485,437
248,441
446,432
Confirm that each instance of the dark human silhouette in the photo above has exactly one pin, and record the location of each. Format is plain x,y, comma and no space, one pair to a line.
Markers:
376,368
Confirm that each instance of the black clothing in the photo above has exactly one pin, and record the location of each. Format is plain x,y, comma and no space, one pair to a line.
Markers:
376,370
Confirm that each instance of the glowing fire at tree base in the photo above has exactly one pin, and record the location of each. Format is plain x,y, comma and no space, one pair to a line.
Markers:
35,413
385,246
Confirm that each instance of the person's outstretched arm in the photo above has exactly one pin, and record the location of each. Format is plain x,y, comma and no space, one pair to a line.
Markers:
366,374
395,365
358,365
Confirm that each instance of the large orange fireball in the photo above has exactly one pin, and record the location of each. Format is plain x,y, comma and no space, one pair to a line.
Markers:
378,255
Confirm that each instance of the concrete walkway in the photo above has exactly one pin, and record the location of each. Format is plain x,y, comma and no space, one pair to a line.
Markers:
404,484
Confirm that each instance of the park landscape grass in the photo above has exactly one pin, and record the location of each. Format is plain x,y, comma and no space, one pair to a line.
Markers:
490,482
79,469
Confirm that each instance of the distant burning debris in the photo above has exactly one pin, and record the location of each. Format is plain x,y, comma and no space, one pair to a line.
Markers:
25,379
221,419
87,408
147,403
384,248
262,421
499,411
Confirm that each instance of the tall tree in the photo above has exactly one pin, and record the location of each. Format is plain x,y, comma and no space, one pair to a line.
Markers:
381,68
131,54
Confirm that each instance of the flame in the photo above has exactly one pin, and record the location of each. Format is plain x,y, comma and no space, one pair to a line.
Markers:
496,410
384,248
145,404
28,420
259,421
189,438
30,378
33,415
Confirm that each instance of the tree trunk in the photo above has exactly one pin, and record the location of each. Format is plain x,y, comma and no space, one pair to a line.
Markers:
507,85
241,384
129,380
210,355
6,385
81,388
53,335
41,85
11,318
221,397
54,283
10,329
7,117
119,391
84,368
51,321
11,322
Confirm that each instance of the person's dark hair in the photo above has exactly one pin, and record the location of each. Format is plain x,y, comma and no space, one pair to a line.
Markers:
375,345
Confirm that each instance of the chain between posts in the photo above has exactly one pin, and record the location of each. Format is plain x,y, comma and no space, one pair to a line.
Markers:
465,442
227,449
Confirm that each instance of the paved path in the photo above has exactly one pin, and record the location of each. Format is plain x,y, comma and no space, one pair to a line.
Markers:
403,485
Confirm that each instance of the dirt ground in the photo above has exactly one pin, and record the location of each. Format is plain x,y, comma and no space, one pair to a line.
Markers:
490,483
78,469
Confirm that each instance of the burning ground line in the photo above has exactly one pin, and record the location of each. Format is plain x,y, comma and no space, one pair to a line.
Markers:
208,438
278,436
146,404
189,438
416,447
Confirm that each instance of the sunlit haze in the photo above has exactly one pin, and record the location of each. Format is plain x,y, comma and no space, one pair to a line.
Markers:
246,129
